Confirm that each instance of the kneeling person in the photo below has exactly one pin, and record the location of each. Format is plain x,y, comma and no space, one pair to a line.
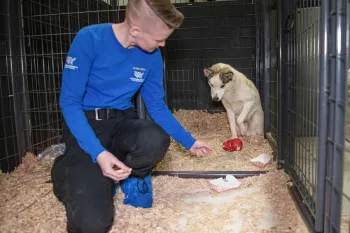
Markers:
105,67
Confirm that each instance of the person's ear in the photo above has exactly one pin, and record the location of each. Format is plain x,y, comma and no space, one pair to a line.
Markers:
135,31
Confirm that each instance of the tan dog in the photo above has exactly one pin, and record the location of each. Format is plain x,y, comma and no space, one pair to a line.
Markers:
240,98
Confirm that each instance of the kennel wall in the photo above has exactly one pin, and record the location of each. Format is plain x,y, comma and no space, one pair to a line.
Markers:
40,33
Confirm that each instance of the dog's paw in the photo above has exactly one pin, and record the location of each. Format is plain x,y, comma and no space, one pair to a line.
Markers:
243,131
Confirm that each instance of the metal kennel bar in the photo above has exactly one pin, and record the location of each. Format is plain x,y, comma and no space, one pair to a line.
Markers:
324,66
11,92
266,86
272,69
208,174
335,47
281,95
345,211
8,135
267,66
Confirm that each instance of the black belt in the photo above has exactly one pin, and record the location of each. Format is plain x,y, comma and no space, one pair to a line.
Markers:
106,113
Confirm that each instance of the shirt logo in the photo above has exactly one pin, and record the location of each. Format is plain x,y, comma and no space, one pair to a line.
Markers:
138,76
69,63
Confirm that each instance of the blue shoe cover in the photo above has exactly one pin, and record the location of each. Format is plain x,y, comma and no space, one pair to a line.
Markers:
138,191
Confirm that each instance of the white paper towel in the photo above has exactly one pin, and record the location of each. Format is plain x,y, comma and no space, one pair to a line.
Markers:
220,184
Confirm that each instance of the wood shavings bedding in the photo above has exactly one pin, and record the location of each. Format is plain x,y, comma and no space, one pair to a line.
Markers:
345,224
26,200
214,129
260,204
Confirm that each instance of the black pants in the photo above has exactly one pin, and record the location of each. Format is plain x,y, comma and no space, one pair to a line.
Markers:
79,183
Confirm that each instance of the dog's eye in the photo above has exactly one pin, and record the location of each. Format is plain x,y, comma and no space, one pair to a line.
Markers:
222,86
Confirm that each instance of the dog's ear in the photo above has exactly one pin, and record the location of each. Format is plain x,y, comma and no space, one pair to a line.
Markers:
208,73
226,76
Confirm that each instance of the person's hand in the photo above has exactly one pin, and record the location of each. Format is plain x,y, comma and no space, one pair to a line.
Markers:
107,161
200,148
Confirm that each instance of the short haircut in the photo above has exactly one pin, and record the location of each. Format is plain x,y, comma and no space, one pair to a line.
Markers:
164,9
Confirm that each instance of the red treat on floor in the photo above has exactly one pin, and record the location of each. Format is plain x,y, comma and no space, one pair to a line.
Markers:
233,145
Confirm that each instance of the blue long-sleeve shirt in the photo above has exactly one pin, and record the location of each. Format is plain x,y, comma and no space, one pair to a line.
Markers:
100,73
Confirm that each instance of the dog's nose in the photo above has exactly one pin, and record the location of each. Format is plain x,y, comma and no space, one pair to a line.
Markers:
216,98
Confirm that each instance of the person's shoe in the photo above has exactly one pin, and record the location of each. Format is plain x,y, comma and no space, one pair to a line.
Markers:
138,191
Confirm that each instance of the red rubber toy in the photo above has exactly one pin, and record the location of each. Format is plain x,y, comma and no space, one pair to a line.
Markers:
233,145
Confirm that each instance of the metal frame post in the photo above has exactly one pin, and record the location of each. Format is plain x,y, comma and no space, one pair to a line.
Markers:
257,41
323,113
336,16
266,12
281,85
289,82
16,67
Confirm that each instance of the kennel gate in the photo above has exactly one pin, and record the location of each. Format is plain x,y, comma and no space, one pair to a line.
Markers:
279,45
311,53
312,60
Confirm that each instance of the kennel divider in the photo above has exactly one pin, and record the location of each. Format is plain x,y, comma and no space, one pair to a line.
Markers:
257,44
282,90
266,87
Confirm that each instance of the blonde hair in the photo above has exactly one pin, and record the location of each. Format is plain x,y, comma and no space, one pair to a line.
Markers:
163,9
